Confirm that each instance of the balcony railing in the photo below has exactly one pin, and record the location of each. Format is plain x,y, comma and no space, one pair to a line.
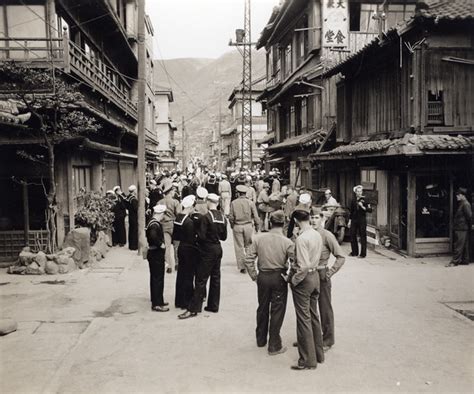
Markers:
64,54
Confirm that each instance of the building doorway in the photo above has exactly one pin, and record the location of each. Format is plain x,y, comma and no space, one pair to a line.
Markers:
398,200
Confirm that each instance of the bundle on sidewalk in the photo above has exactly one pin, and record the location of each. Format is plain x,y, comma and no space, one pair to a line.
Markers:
77,252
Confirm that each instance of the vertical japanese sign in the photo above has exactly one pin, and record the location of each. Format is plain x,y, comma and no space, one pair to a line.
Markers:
335,23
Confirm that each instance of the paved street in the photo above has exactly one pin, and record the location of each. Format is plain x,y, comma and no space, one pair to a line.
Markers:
95,332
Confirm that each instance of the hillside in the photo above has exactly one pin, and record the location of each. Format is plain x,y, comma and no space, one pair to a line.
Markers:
199,85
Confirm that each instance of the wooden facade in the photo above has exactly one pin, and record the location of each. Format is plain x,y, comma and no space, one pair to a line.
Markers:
411,83
71,39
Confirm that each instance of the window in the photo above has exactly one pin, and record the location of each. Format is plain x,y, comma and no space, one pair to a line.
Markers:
368,178
291,118
310,108
304,115
288,60
82,179
361,16
435,108
432,206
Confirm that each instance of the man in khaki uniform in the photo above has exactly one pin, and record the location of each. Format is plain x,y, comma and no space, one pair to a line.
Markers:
273,251
243,214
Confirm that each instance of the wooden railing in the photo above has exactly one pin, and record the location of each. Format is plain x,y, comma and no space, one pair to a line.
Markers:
64,54
435,112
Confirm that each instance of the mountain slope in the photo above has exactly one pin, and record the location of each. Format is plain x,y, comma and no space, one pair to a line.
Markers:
199,87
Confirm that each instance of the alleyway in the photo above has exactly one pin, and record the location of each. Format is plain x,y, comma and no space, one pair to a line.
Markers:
95,333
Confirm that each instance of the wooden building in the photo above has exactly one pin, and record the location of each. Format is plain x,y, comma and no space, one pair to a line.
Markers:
302,40
231,136
405,127
93,43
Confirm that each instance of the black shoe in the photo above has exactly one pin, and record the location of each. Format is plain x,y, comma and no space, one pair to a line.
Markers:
451,264
242,271
362,256
168,270
261,344
160,308
165,304
207,309
353,254
301,367
283,349
187,315
295,344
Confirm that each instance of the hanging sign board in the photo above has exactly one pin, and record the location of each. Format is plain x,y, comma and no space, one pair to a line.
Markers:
335,23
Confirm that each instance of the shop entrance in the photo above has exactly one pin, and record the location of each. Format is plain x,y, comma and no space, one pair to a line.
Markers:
398,210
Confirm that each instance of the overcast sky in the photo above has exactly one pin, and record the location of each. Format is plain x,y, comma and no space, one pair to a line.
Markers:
202,28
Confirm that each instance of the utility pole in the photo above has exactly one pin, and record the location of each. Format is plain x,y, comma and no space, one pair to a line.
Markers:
141,125
244,39
219,141
183,138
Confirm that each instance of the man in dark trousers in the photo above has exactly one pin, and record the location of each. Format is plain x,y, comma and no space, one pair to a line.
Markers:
304,280
243,216
273,250
184,231
461,226
119,234
212,229
358,222
132,206
330,246
156,259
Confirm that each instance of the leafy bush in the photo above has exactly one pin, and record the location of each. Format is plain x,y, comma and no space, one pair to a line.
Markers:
95,213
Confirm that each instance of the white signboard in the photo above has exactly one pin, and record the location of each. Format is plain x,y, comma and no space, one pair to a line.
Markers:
335,23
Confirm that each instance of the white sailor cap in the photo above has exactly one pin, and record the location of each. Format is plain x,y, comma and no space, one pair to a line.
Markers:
202,192
305,198
160,208
213,197
132,188
116,188
188,201
358,187
110,192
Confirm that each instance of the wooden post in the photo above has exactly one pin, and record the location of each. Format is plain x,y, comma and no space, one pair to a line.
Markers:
26,212
411,214
70,192
141,182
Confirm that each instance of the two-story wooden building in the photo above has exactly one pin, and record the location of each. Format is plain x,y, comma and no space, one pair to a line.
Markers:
405,126
94,44
303,38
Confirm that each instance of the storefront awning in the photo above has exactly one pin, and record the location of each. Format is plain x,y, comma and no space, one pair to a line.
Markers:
229,130
268,138
277,160
409,145
301,141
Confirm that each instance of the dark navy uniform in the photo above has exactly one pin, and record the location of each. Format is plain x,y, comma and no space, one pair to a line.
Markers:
156,261
211,230
184,231
132,222
359,225
119,235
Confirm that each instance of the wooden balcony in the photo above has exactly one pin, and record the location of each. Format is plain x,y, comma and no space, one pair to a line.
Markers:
64,54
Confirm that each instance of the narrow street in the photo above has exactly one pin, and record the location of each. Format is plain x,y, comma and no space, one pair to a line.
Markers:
93,331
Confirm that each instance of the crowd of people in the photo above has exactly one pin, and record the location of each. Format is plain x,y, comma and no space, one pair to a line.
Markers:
279,239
